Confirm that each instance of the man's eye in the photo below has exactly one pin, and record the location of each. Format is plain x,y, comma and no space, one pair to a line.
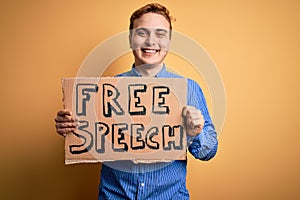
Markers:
161,34
141,33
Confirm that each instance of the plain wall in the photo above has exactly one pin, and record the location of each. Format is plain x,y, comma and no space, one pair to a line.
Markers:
255,45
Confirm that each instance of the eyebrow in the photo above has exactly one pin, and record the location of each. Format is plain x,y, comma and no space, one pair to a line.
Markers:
141,29
163,30
147,29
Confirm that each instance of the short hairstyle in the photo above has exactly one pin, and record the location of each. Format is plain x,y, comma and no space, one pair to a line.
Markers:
151,8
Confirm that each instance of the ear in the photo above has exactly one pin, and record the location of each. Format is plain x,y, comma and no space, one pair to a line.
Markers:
130,39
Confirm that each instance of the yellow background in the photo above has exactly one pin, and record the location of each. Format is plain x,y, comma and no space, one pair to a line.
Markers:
255,45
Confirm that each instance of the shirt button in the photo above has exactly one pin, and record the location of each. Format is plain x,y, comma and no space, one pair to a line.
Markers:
142,184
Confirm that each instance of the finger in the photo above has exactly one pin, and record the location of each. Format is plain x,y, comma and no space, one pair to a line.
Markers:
195,130
194,112
196,123
66,125
194,116
184,110
64,112
64,131
65,118
190,110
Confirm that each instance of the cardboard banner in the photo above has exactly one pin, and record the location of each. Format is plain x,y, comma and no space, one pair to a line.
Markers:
126,118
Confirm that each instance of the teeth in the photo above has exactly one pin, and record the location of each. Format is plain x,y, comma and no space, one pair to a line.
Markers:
149,51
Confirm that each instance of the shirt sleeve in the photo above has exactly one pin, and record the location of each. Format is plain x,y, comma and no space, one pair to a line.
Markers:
205,145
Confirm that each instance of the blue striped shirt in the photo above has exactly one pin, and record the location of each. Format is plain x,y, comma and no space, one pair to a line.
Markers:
127,180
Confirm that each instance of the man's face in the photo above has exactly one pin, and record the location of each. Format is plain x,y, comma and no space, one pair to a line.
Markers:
150,39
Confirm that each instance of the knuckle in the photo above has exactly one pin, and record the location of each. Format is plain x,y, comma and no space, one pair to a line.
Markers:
63,131
60,131
66,130
68,118
60,113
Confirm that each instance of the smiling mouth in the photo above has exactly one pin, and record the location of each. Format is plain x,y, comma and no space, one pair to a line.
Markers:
150,51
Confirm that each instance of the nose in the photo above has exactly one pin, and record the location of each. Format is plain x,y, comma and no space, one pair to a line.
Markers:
151,39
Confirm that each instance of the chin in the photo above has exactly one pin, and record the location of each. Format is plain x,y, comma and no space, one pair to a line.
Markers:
151,63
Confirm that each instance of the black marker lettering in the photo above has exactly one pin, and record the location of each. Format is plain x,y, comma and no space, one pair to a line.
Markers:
101,130
118,137
158,103
136,141
82,96
169,137
149,138
110,103
86,136
134,106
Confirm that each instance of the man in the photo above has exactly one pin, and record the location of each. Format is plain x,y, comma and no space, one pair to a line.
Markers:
150,35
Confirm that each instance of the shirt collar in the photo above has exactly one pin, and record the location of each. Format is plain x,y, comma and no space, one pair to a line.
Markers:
160,74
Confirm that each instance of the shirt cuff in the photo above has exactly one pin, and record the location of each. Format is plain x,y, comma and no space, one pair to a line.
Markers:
189,140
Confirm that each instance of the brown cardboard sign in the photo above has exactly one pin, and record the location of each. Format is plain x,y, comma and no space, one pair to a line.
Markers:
126,118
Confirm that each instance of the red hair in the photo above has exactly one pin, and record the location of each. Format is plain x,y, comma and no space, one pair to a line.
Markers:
151,8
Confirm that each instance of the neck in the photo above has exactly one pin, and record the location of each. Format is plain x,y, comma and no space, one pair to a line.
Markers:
149,70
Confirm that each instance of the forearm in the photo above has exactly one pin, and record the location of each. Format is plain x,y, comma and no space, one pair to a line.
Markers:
205,145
